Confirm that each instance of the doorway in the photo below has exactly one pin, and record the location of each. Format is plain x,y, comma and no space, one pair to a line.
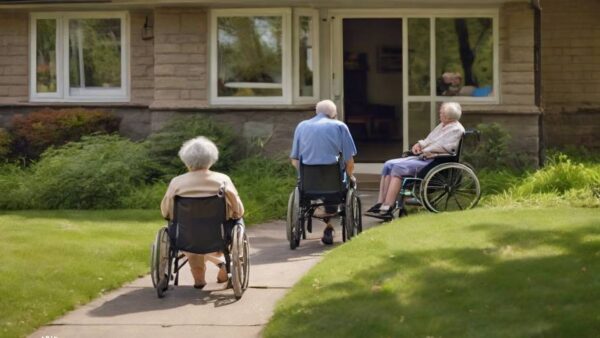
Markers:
372,86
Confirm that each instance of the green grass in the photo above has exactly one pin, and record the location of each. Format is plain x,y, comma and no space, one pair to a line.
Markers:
482,273
52,261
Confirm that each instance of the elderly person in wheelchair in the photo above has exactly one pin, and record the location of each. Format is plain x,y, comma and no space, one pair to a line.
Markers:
323,152
203,208
442,142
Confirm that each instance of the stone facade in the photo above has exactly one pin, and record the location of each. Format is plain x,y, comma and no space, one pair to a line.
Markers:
516,55
180,58
142,59
571,72
14,57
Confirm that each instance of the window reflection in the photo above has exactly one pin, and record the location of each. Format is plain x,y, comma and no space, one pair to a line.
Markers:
464,57
250,56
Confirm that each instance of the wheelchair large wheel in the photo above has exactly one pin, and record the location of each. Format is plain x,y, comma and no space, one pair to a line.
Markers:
450,186
160,262
352,216
293,222
240,252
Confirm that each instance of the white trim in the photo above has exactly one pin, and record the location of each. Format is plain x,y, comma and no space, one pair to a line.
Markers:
405,74
314,31
286,62
338,15
64,94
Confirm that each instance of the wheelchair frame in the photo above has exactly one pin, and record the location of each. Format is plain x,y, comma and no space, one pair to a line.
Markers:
166,259
443,180
301,209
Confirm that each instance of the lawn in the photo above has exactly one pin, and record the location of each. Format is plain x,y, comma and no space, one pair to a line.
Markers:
52,261
482,273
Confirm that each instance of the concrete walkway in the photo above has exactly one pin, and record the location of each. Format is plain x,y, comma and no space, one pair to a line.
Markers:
135,311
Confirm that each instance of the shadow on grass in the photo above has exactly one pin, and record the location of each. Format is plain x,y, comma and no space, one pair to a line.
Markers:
527,284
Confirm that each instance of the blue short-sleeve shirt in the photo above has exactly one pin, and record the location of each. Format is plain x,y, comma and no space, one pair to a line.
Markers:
321,139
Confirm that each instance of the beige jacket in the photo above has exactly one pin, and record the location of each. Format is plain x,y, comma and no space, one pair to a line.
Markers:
443,139
202,183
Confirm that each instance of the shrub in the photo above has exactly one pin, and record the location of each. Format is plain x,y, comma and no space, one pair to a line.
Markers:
4,144
491,151
561,182
15,185
264,186
147,196
35,132
94,173
164,145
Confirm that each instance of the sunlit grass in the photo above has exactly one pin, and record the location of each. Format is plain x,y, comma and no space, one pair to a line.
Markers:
483,273
52,261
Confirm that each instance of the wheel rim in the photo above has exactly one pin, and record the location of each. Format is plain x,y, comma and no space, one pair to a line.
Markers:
449,188
357,217
240,261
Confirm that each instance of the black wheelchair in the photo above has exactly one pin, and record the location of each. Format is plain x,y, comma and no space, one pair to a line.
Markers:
199,226
445,184
322,186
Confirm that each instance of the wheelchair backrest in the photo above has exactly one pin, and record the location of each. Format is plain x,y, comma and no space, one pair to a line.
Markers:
454,157
321,180
198,224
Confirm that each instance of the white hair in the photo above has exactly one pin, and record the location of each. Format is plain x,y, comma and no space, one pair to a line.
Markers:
452,110
327,107
198,153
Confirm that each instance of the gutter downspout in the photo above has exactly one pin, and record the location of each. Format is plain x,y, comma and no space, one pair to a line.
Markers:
537,66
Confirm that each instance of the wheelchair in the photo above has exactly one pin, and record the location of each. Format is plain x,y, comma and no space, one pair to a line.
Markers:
322,186
445,184
199,226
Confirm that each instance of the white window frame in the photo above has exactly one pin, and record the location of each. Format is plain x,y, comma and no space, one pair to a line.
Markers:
314,15
286,62
63,93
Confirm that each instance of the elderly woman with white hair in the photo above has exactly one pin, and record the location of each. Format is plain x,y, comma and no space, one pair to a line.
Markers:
442,140
198,155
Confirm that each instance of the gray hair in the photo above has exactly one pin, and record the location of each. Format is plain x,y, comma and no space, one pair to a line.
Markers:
452,110
327,107
198,153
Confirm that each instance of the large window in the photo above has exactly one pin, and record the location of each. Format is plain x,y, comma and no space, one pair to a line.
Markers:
255,52
79,57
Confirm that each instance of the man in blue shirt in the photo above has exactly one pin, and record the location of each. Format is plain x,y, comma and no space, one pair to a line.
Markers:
321,140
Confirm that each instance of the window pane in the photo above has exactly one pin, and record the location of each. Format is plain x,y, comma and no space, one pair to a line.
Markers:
94,54
419,121
464,56
418,56
250,56
46,56
305,58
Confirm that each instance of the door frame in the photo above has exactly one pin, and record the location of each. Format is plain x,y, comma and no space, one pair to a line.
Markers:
336,39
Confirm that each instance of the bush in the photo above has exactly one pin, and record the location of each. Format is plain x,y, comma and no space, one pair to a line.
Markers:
35,132
4,144
561,182
147,196
15,185
95,173
264,186
164,145
491,151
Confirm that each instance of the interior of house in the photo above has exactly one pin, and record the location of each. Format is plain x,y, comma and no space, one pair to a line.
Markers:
373,86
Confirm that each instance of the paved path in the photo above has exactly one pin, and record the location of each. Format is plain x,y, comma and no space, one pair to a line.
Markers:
135,311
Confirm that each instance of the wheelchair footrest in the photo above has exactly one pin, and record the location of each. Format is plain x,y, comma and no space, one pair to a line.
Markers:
412,201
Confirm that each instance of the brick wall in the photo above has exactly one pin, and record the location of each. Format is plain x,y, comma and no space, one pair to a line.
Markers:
571,72
516,54
14,57
142,59
180,58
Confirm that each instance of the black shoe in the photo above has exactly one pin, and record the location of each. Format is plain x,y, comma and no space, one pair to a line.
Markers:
327,236
386,215
375,208
402,213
